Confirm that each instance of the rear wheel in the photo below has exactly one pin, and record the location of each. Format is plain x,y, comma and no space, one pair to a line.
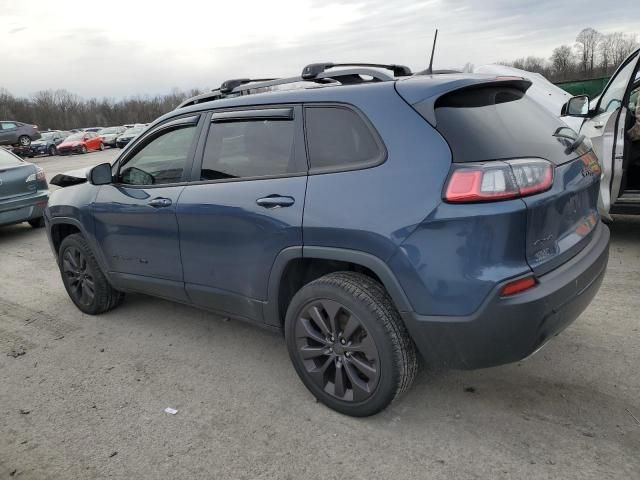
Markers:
85,283
101,146
24,140
348,344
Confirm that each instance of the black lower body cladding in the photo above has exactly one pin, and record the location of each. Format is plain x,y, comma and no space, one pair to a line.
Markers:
508,329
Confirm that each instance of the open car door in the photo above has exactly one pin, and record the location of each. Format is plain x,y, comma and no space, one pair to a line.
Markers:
605,126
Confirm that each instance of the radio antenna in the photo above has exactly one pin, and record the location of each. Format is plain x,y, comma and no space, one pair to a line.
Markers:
433,50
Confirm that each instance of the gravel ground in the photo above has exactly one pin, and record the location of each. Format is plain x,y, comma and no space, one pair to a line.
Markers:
84,397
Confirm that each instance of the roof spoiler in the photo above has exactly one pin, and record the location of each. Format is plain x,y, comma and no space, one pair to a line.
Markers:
427,105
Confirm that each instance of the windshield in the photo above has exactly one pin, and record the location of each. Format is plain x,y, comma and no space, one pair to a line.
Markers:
75,136
134,131
47,135
105,131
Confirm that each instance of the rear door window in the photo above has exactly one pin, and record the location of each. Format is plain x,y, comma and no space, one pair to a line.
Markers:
249,148
339,138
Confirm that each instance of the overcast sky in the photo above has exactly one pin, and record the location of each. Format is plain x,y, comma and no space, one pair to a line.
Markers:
118,48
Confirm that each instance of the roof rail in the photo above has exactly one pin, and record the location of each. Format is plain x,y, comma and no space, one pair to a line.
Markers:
314,73
348,76
228,85
312,70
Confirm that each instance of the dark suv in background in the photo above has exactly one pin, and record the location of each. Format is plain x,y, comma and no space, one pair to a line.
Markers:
371,217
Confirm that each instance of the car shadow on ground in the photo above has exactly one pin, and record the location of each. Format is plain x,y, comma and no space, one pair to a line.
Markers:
17,230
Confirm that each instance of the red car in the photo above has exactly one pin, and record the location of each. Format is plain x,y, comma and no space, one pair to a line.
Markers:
80,142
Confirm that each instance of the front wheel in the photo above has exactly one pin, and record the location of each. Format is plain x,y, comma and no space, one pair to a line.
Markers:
85,283
348,344
83,149
52,150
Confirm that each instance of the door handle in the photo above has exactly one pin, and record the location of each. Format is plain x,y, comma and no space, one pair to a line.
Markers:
598,125
159,202
275,201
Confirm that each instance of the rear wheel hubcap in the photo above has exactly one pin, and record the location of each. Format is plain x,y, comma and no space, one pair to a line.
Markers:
336,350
76,271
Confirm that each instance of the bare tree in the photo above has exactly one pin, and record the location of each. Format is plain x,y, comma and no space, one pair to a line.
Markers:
61,109
562,63
621,46
606,51
587,43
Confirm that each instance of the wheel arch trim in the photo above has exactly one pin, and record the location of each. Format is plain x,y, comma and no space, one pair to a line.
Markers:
373,263
97,252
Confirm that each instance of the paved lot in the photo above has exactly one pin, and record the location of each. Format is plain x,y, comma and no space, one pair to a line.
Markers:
86,399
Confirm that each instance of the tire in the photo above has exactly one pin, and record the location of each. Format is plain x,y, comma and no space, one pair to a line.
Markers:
52,150
37,222
24,140
83,149
85,283
101,147
363,372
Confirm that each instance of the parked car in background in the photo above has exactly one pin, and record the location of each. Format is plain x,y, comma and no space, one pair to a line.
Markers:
23,191
18,133
110,134
92,129
47,144
81,142
450,215
129,135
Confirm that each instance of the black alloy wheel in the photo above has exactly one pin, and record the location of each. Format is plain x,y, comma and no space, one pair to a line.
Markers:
348,344
337,351
78,276
83,279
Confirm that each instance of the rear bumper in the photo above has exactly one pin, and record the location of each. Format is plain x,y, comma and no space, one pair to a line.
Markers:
23,208
505,330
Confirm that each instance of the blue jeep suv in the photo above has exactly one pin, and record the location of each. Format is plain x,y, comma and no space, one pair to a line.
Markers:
367,215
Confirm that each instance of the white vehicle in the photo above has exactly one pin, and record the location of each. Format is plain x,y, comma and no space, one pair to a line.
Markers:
604,120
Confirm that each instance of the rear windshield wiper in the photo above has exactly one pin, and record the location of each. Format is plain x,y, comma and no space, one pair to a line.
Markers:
576,141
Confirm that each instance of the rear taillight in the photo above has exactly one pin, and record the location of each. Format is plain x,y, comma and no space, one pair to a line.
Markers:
498,180
39,176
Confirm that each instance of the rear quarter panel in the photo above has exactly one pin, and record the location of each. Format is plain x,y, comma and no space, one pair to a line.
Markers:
373,210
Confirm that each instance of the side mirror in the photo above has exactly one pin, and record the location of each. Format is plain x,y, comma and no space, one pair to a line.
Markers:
577,107
100,174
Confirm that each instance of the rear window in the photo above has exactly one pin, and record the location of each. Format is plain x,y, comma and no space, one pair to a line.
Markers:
339,138
7,159
493,123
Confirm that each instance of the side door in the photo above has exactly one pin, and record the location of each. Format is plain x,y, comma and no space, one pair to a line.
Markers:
606,129
244,206
93,142
135,217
